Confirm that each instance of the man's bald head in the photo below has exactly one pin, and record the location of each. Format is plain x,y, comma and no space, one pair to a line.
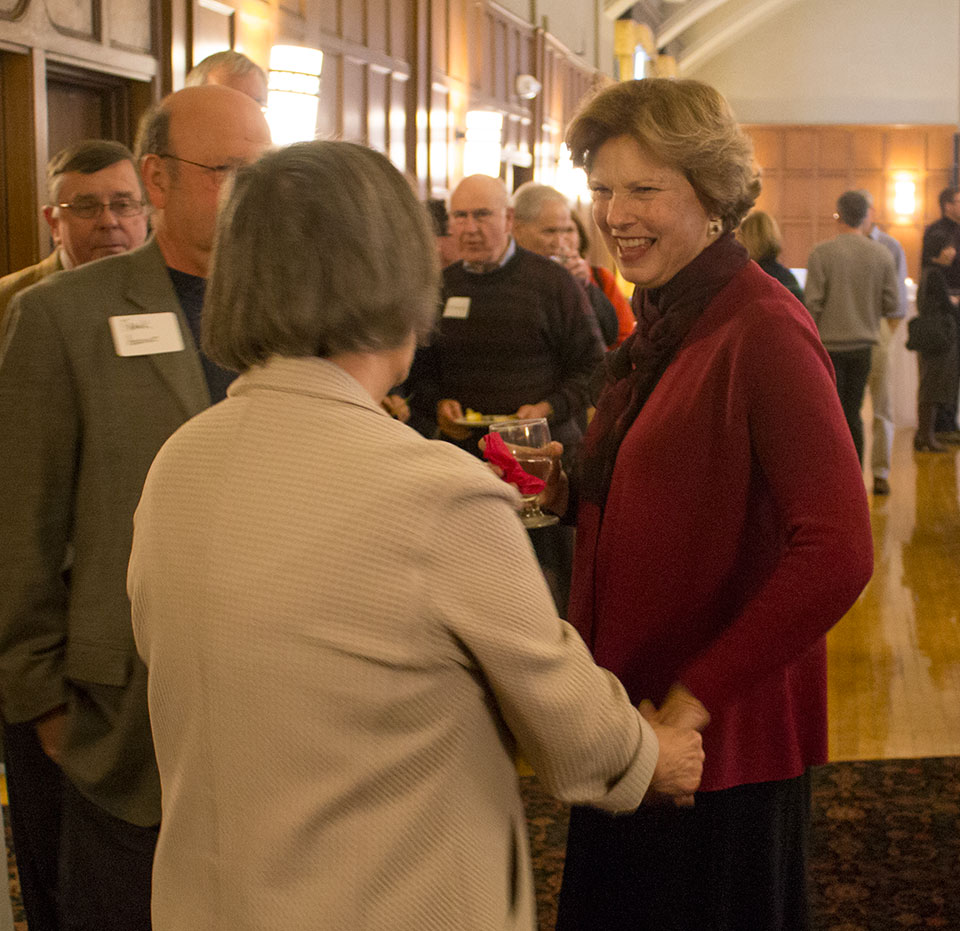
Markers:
480,219
188,146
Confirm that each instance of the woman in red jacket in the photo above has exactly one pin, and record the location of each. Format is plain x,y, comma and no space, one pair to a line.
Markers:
722,526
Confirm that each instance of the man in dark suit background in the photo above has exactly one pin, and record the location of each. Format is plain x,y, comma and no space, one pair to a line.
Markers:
946,424
97,369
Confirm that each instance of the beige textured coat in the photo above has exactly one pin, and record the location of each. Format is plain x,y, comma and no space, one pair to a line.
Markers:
346,630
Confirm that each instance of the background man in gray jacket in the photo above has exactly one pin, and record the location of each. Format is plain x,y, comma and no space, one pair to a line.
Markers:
851,284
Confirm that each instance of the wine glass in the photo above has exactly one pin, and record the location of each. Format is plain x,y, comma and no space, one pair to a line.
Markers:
526,439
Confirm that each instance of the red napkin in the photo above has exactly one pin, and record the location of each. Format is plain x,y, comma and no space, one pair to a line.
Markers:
497,452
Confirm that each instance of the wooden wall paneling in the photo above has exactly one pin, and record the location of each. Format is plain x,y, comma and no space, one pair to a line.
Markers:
935,182
826,188
23,120
328,109
296,8
130,25
80,18
441,138
12,9
939,148
378,25
213,29
353,21
329,16
440,35
459,38
176,55
805,169
501,65
353,100
799,149
769,199
479,32
835,151
767,147
418,94
905,149
399,86
378,79
799,238
868,148
398,27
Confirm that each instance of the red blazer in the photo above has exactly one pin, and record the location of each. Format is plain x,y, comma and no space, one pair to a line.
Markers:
736,533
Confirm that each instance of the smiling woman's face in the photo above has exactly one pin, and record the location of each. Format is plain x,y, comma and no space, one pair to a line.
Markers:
648,213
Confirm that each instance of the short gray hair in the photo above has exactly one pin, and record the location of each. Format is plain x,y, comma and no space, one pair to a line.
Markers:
86,157
153,134
321,248
230,61
529,200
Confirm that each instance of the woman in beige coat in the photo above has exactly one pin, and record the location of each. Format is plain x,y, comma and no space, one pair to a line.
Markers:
346,631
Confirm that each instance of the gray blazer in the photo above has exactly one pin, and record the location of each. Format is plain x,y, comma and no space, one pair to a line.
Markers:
80,427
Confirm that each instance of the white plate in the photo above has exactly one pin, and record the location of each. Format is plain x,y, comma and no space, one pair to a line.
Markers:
484,420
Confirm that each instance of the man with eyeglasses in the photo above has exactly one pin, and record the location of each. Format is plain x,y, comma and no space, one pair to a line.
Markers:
95,209
98,368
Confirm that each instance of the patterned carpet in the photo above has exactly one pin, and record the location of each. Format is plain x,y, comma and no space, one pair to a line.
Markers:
885,852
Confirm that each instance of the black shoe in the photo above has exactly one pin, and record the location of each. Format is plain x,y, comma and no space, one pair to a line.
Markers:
881,486
927,446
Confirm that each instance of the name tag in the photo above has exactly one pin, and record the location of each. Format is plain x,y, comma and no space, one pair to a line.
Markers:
146,334
457,307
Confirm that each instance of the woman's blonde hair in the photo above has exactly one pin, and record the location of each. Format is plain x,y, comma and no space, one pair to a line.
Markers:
685,124
761,236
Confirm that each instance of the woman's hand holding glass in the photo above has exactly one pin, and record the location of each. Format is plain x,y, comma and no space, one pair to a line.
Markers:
530,444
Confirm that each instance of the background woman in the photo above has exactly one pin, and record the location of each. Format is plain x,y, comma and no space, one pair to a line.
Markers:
938,371
761,235
344,624
723,525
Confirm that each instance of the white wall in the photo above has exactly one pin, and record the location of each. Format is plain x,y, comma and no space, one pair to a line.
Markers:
844,61
579,24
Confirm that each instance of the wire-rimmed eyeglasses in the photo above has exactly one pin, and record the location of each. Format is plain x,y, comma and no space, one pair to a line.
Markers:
86,208
217,172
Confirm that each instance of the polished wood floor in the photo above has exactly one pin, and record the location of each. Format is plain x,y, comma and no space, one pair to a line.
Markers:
894,660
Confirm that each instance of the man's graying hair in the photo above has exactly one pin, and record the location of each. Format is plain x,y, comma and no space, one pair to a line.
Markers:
229,61
86,158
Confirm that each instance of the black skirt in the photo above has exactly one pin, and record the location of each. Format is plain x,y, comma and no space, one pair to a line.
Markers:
736,861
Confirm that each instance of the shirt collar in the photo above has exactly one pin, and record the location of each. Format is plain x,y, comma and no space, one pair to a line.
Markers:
484,268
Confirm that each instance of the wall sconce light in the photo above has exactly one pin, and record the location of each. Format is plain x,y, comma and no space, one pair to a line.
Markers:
904,196
482,147
293,93
570,181
527,86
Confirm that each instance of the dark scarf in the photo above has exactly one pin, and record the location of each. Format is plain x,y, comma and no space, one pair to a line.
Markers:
665,316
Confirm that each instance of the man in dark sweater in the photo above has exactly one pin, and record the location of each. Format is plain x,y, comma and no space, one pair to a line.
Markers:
516,334
946,424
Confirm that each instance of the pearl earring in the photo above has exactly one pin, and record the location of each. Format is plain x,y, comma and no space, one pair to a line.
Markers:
715,228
